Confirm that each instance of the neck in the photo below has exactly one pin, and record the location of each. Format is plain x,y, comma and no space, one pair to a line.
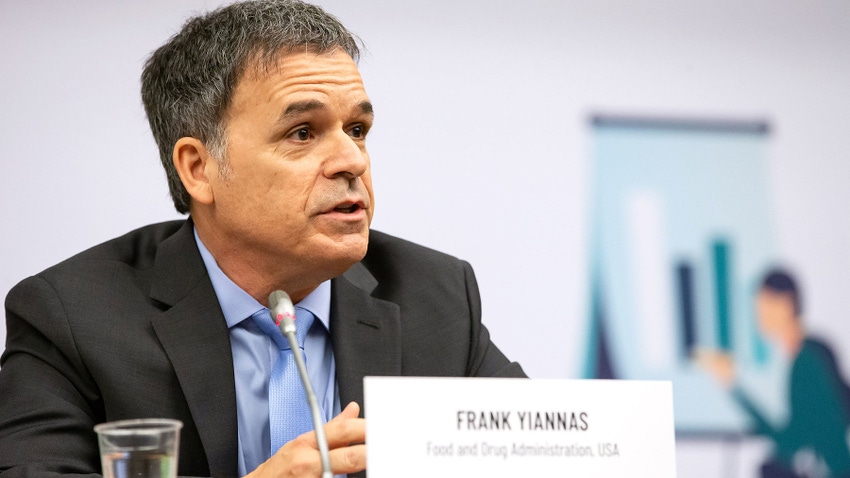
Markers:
255,273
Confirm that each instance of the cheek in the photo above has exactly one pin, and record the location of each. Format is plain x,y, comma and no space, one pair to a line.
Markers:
765,325
371,211
289,189
367,183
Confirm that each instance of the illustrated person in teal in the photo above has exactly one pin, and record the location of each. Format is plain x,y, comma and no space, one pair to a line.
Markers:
818,414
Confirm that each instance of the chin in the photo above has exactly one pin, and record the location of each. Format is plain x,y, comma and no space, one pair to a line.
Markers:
346,251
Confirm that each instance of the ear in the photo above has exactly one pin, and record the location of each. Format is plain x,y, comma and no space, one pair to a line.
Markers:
195,166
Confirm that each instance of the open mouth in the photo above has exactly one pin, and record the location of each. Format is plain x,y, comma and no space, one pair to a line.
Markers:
347,208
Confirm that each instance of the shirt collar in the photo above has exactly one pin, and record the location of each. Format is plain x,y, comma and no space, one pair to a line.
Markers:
237,305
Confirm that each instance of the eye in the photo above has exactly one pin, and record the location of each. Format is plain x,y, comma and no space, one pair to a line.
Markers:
301,134
358,131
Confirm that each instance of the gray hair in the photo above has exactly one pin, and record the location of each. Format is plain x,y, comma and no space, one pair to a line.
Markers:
188,83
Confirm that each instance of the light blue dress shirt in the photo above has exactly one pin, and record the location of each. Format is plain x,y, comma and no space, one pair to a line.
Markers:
254,355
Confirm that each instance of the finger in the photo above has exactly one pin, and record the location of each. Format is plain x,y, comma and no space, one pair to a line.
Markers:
341,433
345,432
352,410
295,459
342,430
348,459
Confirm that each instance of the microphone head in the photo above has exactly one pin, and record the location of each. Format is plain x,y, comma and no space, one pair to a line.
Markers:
282,310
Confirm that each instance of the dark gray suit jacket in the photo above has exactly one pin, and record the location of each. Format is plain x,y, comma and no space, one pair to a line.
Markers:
132,328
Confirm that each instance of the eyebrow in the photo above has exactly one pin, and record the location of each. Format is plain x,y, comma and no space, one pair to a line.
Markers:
300,107
366,108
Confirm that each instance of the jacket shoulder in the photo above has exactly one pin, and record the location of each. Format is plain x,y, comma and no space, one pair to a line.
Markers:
121,263
388,252
136,248
405,271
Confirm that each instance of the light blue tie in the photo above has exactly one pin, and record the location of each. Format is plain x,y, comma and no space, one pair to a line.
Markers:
289,414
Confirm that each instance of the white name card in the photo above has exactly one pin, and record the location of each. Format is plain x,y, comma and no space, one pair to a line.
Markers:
457,427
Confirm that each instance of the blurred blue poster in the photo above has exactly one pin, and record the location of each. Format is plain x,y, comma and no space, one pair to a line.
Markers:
681,226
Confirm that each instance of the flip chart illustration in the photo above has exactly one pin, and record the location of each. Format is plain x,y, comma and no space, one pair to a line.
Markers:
681,233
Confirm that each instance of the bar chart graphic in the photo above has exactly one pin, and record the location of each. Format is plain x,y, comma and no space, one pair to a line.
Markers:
681,231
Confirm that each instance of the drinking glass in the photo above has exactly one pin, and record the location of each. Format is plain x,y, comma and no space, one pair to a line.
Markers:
143,448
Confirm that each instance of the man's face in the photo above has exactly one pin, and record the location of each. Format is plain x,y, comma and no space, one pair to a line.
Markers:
297,190
775,313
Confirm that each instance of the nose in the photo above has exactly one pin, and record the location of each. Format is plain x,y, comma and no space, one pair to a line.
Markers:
347,158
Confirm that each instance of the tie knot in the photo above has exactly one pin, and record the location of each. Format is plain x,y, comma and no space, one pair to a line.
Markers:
303,321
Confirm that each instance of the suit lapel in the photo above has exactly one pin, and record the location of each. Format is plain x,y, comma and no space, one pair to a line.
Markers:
195,337
365,332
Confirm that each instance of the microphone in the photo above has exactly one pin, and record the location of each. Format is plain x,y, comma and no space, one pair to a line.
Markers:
283,314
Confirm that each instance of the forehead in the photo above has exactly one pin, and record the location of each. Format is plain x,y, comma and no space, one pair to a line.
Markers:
291,72
774,296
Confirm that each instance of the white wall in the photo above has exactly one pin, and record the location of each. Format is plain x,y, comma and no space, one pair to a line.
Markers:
480,145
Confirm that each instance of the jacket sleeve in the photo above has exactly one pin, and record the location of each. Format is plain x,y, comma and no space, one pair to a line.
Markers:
486,360
48,401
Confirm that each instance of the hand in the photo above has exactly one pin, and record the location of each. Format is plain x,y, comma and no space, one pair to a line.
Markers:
300,458
718,364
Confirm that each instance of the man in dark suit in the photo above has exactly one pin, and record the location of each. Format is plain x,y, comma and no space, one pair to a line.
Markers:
261,118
